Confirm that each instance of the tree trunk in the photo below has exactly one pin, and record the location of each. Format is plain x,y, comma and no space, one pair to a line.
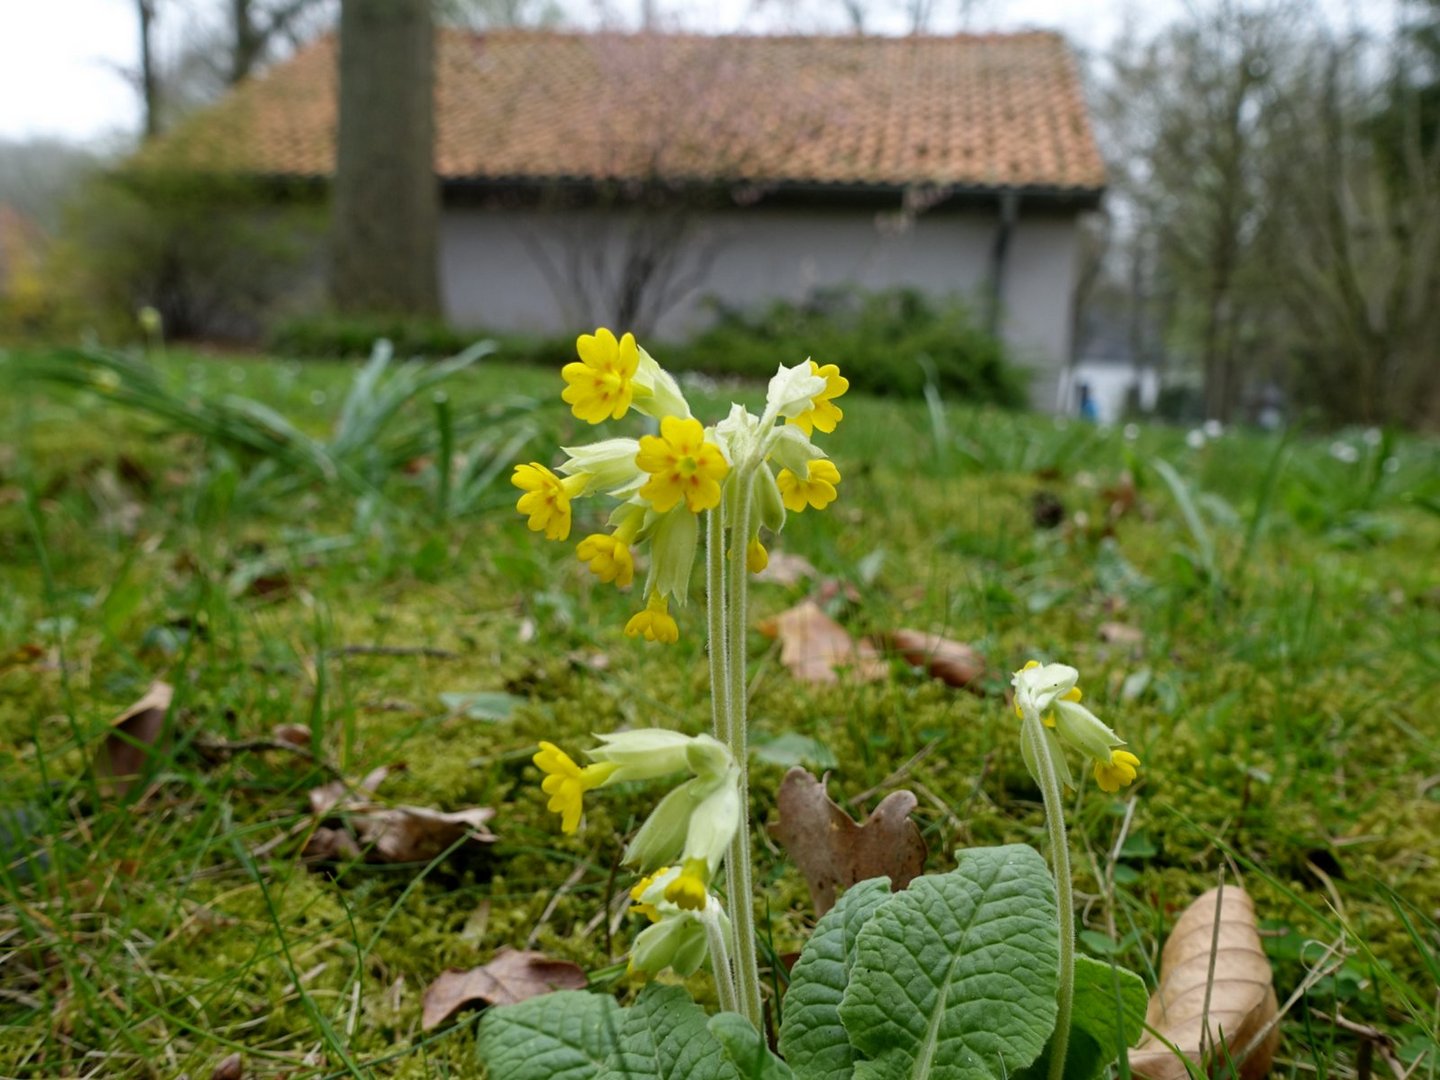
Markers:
387,199
149,85
247,42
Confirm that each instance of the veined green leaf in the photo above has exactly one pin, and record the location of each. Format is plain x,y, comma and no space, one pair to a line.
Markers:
955,978
812,1038
665,1037
746,1049
567,1035
1109,1014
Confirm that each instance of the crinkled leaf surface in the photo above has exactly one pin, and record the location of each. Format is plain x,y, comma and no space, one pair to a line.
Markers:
746,1049
1109,1014
567,1035
665,1037
955,978
812,1038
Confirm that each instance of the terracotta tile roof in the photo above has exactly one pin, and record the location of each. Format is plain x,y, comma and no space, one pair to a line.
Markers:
973,111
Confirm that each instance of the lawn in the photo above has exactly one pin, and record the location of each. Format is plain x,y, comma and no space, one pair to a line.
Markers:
1259,616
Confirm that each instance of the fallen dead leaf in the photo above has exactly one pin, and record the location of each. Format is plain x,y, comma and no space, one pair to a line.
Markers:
132,734
231,1068
416,833
952,662
813,646
786,569
1241,1000
512,976
386,834
326,797
833,851
297,735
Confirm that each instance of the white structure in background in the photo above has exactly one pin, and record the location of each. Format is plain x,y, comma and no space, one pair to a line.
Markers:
1105,371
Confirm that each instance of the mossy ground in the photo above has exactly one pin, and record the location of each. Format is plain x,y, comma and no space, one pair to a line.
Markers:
1280,697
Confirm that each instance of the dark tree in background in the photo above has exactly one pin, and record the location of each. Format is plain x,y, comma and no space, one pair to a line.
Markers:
386,195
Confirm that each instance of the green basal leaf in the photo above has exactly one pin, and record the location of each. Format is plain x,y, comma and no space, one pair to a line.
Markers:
812,1038
567,1035
955,977
746,1049
1109,1014
665,1037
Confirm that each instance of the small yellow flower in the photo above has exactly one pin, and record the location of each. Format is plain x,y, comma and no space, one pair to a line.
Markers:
650,911
547,498
655,622
756,557
817,489
823,413
1073,694
688,891
682,465
609,558
1118,773
566,783
599,383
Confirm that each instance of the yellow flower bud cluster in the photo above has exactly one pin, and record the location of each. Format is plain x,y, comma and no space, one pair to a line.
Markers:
663,481
1048,692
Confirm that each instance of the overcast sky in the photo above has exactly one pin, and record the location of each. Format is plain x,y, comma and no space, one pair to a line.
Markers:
64,64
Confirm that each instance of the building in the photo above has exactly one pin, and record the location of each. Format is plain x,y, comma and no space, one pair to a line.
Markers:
641,178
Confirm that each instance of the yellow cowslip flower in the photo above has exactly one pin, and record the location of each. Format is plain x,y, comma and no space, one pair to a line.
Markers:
817,489
756,557
547,498
689,890
599,383
566,783
1048,692
823,413
609,558
682,465
655,623
650,911
1118,772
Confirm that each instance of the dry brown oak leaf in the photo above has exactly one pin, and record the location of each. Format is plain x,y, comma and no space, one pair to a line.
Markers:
952,662
1241,1005
512,976
832,851
817,649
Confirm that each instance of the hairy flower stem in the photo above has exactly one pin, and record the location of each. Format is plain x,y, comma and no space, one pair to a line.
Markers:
1064,896
720,966
729,694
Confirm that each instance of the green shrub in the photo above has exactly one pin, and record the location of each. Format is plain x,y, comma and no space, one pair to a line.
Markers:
884,342
214,255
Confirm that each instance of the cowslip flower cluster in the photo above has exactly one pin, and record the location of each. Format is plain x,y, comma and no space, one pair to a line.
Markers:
1049,692
662,482
681,845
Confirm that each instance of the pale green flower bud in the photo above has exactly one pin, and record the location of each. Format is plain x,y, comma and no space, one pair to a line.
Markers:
645,754
708,756
657,394
792,389
610,464
793,451
1057,755
714,822
769,504
664,834
676,942
1083,730
672,553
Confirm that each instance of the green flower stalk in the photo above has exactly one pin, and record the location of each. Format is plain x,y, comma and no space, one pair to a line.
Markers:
744,474
1047,700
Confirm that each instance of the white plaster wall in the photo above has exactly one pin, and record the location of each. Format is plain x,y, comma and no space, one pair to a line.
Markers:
514,270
